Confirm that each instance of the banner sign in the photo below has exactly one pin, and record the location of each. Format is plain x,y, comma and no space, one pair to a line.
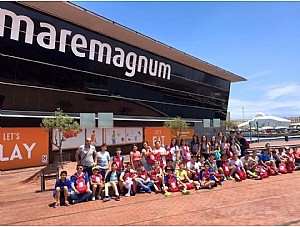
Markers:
164,135
23,147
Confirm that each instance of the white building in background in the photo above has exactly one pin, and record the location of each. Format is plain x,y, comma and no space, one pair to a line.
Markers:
265,122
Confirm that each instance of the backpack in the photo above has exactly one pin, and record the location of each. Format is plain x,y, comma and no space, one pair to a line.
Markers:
262,172
226,169
119,161
150,158
241,174
96,178
169,155
189,185
290,166
282,168
173,186
81,186
271,171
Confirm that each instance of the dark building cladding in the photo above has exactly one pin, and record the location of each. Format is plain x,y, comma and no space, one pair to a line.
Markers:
35,78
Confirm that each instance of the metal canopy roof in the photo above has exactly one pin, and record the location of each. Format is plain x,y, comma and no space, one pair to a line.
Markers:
86,19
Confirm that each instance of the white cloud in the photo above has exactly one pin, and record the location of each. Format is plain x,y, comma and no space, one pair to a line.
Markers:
259,74
283,90
281,100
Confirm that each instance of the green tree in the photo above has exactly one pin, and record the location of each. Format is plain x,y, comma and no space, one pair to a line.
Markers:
230,125
176,125
64,127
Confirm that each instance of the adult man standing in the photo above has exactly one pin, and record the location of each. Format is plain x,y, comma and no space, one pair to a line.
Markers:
86,156
244,144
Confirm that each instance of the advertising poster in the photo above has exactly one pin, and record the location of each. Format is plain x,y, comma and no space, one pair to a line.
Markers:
114,136
120,136
134,135
164,135
23,147
96,136
79,139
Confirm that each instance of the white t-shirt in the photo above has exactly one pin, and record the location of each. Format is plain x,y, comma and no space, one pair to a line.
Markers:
237,163
86,154
193,166
173,151
162,152
250,161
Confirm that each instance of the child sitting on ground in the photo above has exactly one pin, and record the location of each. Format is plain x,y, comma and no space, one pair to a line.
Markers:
206,178
156,175
62,185
171,183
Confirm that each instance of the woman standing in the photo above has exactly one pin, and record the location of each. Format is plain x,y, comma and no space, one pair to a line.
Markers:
195,146
173,152
204,147
146,149
135,156
214,144
185,151
160,154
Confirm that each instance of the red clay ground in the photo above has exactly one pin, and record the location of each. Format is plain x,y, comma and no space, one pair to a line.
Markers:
272,201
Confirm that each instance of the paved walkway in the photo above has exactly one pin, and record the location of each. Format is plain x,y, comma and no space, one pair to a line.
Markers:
272,201
235,203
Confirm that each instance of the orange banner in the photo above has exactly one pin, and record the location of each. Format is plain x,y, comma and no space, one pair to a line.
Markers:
164,135
23,147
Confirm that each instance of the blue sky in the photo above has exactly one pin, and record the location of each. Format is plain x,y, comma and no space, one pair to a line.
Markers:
257,40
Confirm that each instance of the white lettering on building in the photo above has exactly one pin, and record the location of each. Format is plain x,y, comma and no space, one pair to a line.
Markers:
80,45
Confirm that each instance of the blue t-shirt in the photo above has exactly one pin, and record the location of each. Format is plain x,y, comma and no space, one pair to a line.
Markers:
73,178
166,178
264,158
62,184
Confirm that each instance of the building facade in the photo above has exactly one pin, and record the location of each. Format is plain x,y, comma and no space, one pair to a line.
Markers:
56,54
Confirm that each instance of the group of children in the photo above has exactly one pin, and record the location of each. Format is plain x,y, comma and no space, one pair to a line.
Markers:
172,175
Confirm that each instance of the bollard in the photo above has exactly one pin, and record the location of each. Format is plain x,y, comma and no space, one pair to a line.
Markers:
42,182
286,138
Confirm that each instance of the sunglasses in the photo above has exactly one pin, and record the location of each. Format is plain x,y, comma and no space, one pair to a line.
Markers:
80,168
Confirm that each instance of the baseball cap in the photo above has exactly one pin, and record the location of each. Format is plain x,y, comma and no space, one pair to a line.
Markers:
170,169
287,147
95,167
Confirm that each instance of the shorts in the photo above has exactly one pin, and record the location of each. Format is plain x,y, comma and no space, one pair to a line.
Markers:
297,163
61,192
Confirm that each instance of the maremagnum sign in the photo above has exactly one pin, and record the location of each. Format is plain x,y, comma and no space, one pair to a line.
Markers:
49,37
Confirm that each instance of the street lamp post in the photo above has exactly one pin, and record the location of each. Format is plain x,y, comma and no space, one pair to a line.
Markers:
257,131
250,132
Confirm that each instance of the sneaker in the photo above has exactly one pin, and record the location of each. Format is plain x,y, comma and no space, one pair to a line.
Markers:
210,187
74,201
117,198
93,198
106,199
185,192
99,197
230,178
56,205
67,203
198,187
168,194
258,178
219,183
237,177
127,194
225,178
